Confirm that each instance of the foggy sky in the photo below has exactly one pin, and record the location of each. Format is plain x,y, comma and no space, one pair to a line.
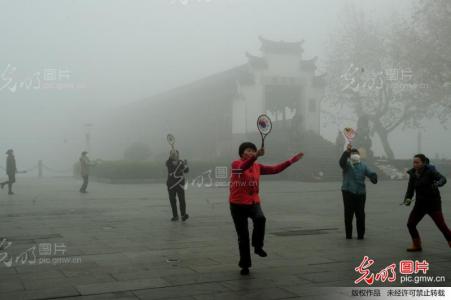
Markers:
119,52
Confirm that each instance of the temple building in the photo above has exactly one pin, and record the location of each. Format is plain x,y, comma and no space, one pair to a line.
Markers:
283,85
211,116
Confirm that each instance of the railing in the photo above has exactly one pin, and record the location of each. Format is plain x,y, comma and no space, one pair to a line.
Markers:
40,167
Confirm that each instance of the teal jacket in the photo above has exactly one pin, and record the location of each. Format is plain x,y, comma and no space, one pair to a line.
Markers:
354,175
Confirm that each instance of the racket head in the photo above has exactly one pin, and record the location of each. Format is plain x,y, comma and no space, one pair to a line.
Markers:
264,124
171,139
349,133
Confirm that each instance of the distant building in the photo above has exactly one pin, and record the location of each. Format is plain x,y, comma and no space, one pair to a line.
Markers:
211,116
283,85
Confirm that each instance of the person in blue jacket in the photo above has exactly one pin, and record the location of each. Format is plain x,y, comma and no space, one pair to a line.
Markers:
354,191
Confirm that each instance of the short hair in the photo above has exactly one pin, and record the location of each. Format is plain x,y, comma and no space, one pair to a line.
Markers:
245,146
422,157
355,150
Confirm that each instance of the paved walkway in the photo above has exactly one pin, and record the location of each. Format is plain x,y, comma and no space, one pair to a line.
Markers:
117,242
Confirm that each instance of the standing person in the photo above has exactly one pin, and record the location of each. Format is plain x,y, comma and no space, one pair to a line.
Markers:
175,183
245,200
85,165
11,171
424,181
354,190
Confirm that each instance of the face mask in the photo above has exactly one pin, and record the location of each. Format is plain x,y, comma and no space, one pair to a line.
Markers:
355,158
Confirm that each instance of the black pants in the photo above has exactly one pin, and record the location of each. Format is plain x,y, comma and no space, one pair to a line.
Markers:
240,214
85,183
174,192
418,213
354,204
11,180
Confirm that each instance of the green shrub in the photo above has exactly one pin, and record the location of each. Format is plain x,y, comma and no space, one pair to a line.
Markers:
127,169
137,152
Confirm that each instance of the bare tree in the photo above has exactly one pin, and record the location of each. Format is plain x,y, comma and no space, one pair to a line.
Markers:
369,74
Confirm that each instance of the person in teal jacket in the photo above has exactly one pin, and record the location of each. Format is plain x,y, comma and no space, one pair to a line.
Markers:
354,191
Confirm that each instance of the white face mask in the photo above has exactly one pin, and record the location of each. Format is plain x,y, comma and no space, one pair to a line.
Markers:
355,158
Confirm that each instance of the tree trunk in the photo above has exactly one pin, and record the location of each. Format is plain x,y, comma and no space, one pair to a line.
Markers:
383,135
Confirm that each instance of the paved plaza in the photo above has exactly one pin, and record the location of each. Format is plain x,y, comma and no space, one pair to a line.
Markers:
117,242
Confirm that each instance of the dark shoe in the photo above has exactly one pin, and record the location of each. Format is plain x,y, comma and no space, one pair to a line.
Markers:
349,237
260,252
10,193
244,271
83,192
360,238
174,219
416,246
185,217
2,185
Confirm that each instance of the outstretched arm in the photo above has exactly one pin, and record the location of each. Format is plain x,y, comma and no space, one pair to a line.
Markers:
371,175
274,169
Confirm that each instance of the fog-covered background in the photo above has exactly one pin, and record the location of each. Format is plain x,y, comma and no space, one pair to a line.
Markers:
102,55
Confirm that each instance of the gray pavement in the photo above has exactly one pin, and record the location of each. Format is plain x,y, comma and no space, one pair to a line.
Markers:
117,242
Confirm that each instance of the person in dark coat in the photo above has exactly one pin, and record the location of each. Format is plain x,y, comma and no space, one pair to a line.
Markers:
175,183
11,171
424,181
354,190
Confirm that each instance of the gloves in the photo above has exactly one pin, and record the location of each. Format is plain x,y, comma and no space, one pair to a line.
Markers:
373,179
296,158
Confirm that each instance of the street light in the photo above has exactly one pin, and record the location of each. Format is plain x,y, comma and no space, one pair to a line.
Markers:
88,128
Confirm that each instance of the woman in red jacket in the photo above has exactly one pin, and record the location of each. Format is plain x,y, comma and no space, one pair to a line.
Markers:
245,201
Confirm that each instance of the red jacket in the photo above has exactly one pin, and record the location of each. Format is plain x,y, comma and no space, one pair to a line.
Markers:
245,177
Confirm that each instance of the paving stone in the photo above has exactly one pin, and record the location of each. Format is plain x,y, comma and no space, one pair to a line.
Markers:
129,249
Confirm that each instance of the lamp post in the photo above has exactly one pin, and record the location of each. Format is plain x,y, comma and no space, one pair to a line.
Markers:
88,129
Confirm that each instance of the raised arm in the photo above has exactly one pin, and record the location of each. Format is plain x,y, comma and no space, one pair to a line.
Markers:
274,169
170,166
242,165
344,160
